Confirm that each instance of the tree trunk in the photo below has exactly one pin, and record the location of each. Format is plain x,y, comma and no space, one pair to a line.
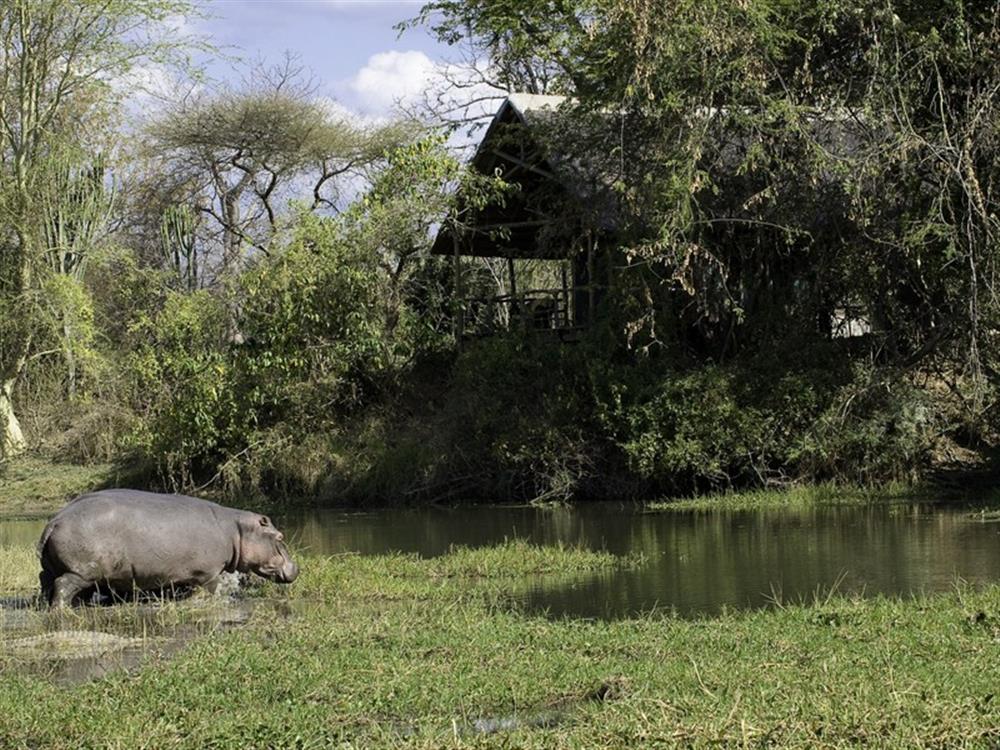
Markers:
11,438
231,239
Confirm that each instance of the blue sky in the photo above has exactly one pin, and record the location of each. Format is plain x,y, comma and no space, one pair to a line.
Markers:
350,46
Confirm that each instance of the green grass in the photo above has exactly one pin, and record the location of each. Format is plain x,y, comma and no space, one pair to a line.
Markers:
33,485
791,498
395,651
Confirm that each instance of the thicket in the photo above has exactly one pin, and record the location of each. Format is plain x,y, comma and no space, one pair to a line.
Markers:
775,169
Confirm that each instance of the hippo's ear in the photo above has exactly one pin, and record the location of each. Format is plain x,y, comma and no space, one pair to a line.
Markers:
265,521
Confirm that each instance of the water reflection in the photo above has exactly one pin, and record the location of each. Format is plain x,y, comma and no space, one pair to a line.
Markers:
697,563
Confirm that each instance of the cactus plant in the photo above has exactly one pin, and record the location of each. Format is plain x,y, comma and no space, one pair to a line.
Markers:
177,243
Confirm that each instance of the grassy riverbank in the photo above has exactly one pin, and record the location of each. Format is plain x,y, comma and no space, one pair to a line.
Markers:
395,651
33,485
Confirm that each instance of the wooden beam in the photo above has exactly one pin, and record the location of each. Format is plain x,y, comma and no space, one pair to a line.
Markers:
526,165
483,228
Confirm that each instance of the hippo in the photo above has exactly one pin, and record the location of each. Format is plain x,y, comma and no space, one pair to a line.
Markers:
127,540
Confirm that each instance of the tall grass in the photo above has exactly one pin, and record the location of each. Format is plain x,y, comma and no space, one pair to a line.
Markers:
18,570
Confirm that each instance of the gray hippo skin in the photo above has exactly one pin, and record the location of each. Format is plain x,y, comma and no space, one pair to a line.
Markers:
125,540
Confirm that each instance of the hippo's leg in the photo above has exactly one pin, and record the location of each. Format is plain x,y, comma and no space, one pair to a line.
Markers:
65,589
46,579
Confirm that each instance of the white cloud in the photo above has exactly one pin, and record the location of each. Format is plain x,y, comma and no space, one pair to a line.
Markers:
411,82
393,78
339,111
178,24
148,89
151,85
334,108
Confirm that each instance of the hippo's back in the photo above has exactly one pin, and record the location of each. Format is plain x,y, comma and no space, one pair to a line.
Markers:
129,533
151,503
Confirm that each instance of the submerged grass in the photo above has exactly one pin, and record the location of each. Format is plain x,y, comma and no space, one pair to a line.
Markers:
396,651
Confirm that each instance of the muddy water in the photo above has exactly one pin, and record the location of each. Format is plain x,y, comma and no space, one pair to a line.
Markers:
91,642
696,563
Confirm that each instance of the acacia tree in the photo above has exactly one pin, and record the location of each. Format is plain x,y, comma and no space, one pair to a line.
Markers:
235,157
59,64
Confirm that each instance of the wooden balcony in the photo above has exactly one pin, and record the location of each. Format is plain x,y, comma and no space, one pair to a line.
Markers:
542,311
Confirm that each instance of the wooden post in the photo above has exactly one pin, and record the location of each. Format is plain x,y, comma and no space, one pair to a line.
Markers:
565,294
514,307
460,303
590,279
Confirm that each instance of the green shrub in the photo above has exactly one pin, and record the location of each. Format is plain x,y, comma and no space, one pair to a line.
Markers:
761,421
311,326
181,382
876,427
691,427
521,411
220,386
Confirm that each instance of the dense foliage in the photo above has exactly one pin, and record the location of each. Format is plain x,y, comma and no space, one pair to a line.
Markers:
805,207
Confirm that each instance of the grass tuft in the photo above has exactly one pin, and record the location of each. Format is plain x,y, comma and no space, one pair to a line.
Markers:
518,558
793,498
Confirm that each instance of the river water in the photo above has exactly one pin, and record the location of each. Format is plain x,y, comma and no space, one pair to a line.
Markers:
696,563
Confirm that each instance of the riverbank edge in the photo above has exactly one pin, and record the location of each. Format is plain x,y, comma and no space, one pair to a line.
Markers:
398,651
33,486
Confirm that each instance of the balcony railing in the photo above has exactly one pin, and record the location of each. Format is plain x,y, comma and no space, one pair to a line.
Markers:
529,310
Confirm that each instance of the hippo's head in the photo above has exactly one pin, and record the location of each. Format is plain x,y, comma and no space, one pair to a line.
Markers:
263,550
